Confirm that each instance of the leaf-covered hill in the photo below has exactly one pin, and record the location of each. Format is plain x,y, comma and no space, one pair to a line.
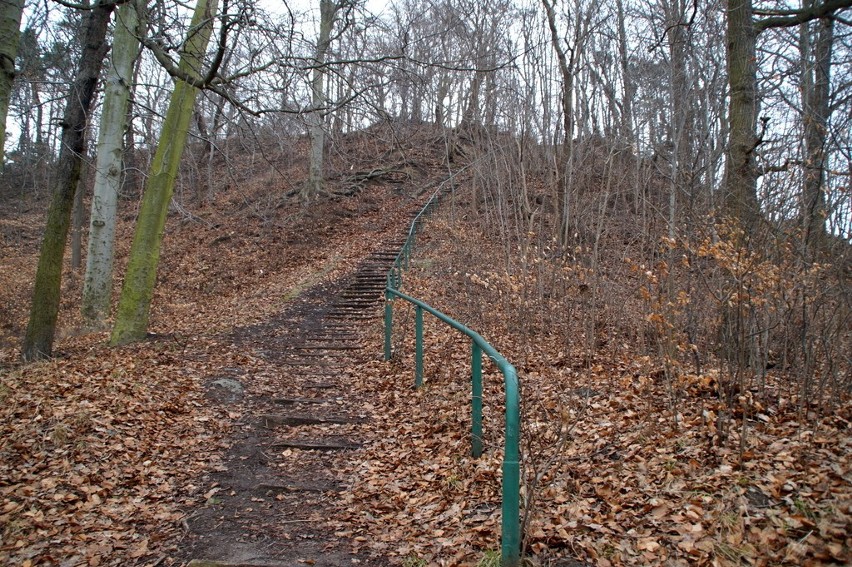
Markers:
641,445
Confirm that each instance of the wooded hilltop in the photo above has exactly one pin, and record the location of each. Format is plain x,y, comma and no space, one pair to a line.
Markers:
645,207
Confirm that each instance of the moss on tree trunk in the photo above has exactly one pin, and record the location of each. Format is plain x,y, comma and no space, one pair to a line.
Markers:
38,342
134,306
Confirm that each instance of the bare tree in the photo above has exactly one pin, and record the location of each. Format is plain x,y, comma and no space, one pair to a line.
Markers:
741,172
38,342
97,283
815,52
329,10
134,305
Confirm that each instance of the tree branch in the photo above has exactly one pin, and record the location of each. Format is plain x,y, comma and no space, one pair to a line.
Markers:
679,23
220,50
790,18
85,7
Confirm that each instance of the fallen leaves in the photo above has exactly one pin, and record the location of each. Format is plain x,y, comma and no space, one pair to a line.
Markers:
102,452
615,473
97,454
417,491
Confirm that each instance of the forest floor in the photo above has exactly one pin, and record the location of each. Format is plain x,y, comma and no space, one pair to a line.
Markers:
163,451
259,425
622,466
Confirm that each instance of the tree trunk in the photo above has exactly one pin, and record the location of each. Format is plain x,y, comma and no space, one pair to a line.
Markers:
629,92
816,86
741,204
97,286
564,160
472,111
134,305
316,118
132,184
77,217
679,94
38,342
10,34
440,108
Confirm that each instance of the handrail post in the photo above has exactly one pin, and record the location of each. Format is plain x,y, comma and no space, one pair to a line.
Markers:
388,324
511,528
476,401
418,346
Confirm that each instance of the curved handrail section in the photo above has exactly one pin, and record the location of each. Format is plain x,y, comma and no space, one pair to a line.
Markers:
510,522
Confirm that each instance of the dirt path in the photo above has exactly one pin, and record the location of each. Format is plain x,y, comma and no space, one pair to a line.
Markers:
276,488
228,434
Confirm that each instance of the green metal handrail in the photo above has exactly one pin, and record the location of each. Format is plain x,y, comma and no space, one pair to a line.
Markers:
400,263
510,546
511,528
402,259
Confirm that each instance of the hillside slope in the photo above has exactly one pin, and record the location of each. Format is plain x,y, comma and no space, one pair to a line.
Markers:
631,455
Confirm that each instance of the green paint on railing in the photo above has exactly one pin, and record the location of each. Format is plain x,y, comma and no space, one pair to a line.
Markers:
401,262
511,544
418,346
388,324
476,400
